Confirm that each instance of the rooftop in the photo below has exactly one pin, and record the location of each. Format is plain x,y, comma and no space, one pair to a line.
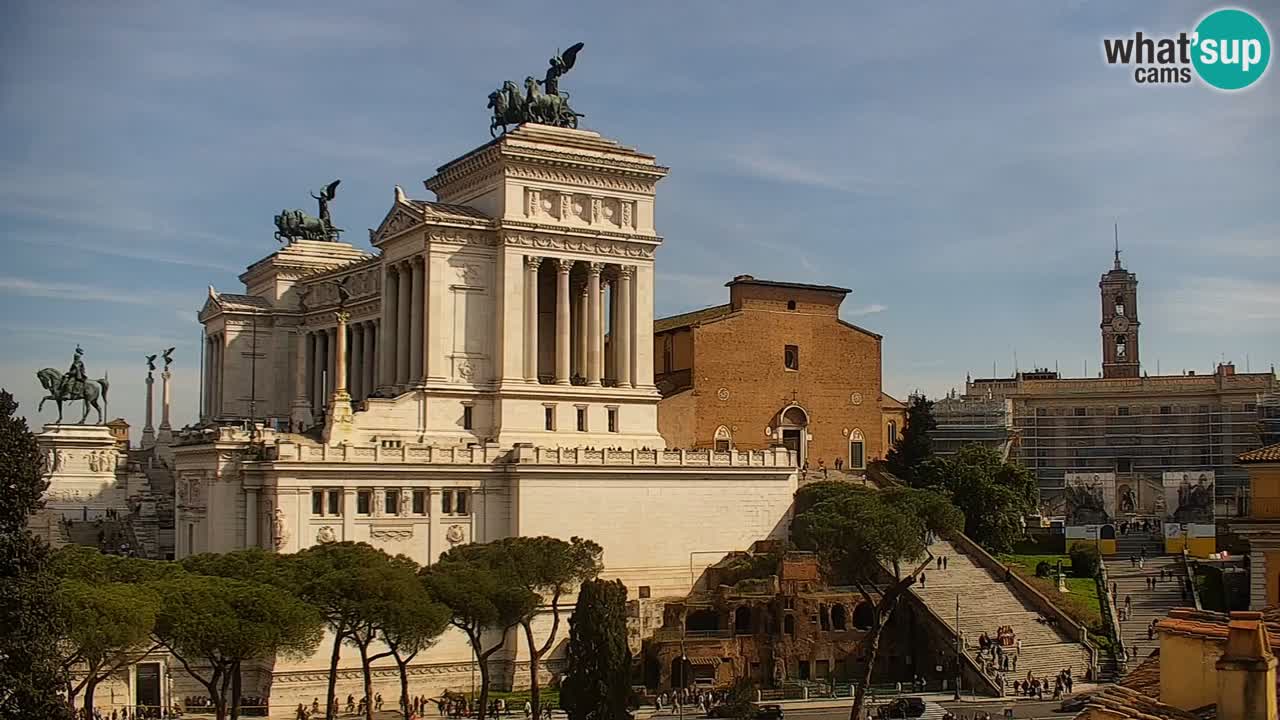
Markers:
1268,453
690,318
749,280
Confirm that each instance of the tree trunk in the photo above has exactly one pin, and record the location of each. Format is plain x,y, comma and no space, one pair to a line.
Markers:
330,703
535,657
368,680
235,691
89,686
860,695
404,686
220,702
483,706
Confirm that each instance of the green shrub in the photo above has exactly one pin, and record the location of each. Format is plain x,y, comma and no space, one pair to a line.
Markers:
1085,561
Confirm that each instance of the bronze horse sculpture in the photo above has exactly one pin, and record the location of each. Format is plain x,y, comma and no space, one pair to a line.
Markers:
89,391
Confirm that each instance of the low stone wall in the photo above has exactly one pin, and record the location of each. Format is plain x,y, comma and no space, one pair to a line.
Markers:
972,673
1109,615
1028,594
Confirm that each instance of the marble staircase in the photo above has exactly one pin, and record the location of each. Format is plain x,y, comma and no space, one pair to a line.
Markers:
986,603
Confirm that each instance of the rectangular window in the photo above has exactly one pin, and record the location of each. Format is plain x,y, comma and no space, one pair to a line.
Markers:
791,357
1041,412
613,420
364,502
466,417
335,502
391,502
645,592
1249,407
1122,411
722,446
317,502
1124,465
1080,412
419,502
446,502
461,500
1166,410
582,419
549,416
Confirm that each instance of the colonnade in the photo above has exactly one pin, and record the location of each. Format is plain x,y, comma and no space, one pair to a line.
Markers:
214,352
403,302
319,351
581,319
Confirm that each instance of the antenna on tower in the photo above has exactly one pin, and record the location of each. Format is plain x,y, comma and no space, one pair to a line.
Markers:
1117,232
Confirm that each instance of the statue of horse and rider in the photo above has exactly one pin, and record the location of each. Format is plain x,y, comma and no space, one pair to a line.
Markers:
74,385
542,101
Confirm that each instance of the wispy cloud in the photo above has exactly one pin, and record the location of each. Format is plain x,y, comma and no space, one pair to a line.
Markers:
760,163
871,309
1220,306
84,293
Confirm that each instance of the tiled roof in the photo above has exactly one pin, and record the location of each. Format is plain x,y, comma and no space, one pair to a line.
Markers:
228,300
690,318
1208,624
891,402
1134,704
748,280
1145,678
1268,453
448,210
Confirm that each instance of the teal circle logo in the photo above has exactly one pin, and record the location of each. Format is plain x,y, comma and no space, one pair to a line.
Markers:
1231,49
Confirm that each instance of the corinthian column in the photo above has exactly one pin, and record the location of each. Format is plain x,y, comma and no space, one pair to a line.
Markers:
624,329
403,313
370,358
531,265
563,267
390,310
593,323
338,421
357,361
415,322
149,432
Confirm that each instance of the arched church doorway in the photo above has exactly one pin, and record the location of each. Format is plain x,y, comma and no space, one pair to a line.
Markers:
793,424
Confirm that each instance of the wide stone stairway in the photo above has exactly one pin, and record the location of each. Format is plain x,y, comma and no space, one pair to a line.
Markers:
1147,605
987,603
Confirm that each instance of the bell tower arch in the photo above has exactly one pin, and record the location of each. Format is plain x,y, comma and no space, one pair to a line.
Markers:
1119,290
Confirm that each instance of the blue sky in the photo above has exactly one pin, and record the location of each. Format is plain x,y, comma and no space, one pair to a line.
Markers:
959,165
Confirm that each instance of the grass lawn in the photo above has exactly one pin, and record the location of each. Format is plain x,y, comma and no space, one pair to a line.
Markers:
515,700
1081,603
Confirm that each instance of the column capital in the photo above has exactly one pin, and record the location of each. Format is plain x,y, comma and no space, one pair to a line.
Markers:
595,268
626,271
564,265
342,317
532,262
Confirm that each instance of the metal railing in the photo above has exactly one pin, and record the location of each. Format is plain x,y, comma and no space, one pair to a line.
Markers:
1189,577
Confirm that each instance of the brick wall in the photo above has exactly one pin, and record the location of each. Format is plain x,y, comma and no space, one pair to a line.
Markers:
743,353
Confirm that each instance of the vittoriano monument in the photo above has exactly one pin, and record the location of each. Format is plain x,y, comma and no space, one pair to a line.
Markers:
545,104
297,225
74,385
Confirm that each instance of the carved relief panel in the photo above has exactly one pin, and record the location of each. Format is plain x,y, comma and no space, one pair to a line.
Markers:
579,209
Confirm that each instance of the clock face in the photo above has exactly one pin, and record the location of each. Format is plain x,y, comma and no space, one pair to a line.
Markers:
1120,324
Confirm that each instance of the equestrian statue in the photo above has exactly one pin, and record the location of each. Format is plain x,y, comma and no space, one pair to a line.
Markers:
542,101
74,385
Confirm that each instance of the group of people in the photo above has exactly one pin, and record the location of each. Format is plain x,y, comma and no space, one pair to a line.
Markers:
1134,526
137,713
688,699
1036,688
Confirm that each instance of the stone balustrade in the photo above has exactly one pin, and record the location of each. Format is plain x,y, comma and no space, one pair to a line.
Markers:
489,454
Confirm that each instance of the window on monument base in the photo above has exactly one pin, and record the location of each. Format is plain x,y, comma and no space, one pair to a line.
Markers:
549,417
335,502
446,502
391,502
582,419
419,502
317,502
466,417
613,419
461,501
364,502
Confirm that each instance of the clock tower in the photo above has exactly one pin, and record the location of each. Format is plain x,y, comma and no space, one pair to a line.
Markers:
1119,289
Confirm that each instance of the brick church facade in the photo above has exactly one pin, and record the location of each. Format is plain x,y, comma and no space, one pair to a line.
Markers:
774,366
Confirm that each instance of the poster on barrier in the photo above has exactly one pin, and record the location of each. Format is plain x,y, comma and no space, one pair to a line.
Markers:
1188,496
1090,498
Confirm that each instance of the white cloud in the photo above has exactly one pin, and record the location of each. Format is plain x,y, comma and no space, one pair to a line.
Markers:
85,293
871,309
1220,306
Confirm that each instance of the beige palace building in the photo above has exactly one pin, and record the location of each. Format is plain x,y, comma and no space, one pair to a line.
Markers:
455,386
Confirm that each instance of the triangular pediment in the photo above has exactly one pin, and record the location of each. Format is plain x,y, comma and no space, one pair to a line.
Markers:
401,217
